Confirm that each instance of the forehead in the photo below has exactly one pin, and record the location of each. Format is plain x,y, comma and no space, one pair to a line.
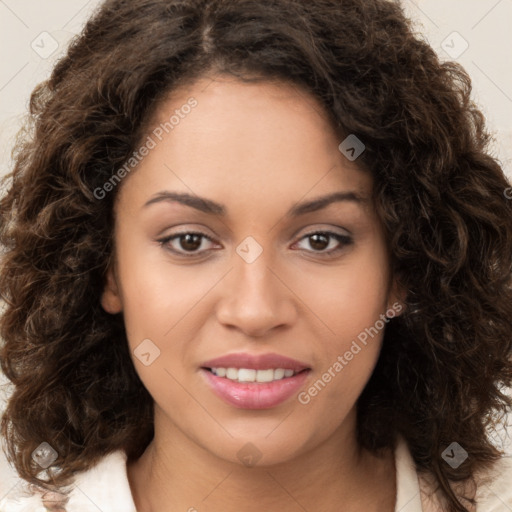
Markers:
253,143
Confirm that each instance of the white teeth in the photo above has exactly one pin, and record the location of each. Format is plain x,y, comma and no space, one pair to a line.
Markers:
264,375
251,375
279,373
220,372
245,375
232,373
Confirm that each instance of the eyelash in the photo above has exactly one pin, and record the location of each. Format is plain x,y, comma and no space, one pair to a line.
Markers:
344,241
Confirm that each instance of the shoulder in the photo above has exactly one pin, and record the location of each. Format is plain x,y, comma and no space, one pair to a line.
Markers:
418,491
104,486
491,490
494,492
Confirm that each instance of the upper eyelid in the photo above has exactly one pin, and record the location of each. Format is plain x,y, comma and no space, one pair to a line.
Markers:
213,238
167,239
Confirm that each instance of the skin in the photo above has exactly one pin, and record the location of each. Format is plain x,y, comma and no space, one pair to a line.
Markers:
258,149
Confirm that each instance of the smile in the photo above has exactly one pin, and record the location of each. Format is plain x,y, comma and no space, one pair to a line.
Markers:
254,394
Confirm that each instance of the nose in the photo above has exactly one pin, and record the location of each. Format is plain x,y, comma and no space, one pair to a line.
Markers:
255,298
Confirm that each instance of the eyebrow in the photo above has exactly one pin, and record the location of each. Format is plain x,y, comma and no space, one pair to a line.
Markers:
208,206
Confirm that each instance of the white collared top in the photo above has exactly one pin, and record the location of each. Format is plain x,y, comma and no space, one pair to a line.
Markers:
105,488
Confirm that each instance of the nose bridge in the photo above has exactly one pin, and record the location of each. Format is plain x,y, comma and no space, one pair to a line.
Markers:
255,300
252,274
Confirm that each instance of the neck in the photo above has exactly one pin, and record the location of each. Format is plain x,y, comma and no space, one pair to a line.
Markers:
176,474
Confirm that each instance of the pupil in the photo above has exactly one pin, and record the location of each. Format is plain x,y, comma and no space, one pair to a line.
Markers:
190,241
316,244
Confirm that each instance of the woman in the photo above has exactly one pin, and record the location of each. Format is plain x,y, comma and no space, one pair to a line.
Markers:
256,256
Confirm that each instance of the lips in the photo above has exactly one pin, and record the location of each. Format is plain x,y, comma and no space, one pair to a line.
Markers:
254,395
256,362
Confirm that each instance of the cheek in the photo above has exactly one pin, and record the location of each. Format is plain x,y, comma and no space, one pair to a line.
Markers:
165,307
349,358
348,298
161,305
349,301
156,293
333,393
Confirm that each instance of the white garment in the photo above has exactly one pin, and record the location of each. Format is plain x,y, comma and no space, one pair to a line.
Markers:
105,488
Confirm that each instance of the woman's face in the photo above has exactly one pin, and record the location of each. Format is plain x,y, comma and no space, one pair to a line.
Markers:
255,279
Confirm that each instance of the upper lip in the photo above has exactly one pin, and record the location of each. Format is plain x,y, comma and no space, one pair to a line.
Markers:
255,362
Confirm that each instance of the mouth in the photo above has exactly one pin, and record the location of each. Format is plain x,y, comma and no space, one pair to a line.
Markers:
246,388
254,381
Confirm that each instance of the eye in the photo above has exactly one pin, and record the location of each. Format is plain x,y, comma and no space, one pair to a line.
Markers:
186,242
319,241
192,243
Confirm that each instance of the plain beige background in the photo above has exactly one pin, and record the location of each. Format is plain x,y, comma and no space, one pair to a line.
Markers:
476,33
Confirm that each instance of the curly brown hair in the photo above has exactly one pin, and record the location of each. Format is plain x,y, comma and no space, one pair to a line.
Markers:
440,194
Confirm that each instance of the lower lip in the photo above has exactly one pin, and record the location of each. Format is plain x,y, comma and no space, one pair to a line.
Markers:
252,395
